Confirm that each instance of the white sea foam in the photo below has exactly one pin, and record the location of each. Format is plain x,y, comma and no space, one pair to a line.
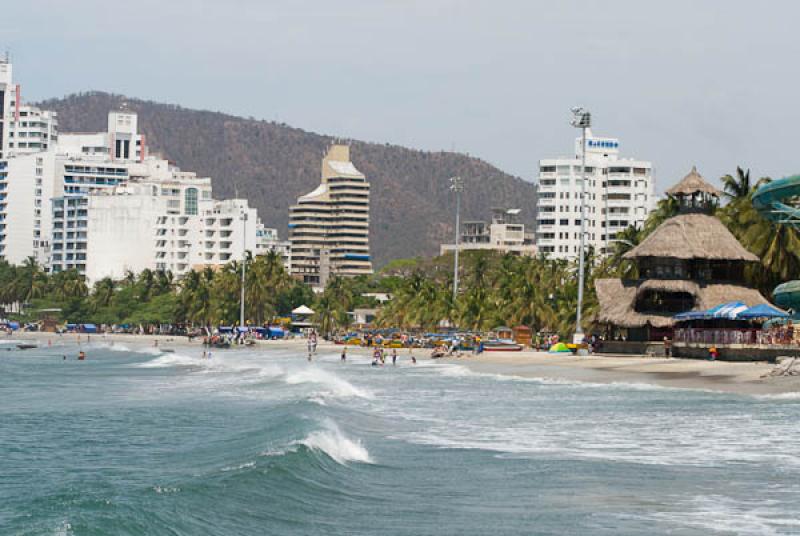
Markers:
64,529
336,445
246,465
333,385
779,396
718,514
166,489
173,360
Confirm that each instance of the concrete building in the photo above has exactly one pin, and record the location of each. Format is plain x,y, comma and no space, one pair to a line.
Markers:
329,227
504,233
620,192
24,129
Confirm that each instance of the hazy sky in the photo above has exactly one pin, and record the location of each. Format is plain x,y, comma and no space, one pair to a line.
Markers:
711,83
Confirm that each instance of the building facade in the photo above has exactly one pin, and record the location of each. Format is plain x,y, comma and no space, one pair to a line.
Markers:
620,192
329,227
504,233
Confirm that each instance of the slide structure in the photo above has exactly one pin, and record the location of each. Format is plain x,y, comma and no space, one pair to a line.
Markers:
778,201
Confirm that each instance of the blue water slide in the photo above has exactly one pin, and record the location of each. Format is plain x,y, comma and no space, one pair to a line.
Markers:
778,201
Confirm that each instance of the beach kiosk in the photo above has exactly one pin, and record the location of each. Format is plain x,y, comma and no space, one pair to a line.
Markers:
301,319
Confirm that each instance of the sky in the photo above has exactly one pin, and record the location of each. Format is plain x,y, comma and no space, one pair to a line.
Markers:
680,83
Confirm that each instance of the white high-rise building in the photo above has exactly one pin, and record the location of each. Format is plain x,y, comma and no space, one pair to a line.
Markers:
329,227
24,129
620,192
27,137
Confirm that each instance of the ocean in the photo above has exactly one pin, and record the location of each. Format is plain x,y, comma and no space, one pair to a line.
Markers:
251,442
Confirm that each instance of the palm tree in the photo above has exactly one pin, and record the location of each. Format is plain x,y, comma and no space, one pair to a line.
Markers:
738,187
102,293
31,280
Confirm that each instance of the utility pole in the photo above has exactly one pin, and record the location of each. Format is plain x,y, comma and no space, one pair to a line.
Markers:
244,265
457,186
582,119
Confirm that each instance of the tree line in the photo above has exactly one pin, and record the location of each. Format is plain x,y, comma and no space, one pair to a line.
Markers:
495,289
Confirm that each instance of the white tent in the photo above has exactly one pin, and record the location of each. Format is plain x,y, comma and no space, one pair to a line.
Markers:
303,310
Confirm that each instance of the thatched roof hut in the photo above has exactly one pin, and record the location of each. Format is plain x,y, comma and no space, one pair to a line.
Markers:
618,300
692,236
693,183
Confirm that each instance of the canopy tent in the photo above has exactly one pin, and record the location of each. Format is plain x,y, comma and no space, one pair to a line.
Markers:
763,311
728,310
303,310
735,310
559,348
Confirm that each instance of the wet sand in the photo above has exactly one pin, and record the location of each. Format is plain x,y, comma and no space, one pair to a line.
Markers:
741,378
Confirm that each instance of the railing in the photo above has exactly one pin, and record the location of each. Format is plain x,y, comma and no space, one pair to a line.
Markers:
776,336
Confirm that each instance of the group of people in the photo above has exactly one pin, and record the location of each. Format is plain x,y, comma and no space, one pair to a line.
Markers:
379,357
312,344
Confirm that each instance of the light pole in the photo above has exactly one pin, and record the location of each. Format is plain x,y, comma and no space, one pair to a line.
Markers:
581,119
244,264
456,185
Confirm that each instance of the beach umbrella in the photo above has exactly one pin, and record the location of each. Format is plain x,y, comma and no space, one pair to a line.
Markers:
763,311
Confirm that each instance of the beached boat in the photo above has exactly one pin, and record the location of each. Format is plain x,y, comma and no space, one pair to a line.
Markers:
501,346
24,346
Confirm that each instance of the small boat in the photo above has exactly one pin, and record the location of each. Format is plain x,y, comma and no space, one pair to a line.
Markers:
168,350
26,346
501,346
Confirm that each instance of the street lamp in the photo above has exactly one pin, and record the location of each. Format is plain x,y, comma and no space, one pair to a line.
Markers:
243,217
457,186
581,119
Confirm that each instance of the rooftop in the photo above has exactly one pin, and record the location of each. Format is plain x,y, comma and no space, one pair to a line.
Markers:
693,183
692,236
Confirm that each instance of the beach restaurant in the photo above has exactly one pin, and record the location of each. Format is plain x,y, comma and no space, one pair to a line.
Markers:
689,263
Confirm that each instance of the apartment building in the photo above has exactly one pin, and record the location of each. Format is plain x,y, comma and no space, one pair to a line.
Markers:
329,227
620,192
504,233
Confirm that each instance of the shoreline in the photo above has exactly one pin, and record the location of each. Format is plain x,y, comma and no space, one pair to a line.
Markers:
720,376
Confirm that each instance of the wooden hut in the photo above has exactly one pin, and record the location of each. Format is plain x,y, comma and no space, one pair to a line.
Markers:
690,262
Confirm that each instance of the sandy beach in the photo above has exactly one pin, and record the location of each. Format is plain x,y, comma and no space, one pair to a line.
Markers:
740,378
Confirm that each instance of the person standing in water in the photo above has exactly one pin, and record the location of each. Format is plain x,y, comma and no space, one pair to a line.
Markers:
394,356
344,354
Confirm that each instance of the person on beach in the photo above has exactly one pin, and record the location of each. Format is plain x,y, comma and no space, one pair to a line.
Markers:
712,353
667,346
344,354
394,356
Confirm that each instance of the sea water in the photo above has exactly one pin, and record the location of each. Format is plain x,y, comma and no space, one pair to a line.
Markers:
133,441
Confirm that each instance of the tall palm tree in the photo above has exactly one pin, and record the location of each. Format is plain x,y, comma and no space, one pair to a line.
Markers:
31,280
738,187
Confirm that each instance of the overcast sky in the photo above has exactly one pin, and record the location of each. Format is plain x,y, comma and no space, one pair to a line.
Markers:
711,83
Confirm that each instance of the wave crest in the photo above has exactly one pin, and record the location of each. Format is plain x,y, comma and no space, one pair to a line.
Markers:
332,442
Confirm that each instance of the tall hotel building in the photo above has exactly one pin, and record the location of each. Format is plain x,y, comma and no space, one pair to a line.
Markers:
329,227
620,192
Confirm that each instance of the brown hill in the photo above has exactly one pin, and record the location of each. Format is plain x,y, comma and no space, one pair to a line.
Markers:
272,164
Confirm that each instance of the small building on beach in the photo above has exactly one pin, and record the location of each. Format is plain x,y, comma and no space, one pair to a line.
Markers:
691,262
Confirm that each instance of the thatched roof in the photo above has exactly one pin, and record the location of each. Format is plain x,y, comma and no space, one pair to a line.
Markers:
692,184
670,285
692,236
618,299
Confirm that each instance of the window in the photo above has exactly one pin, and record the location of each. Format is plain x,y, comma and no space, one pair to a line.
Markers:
190,202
